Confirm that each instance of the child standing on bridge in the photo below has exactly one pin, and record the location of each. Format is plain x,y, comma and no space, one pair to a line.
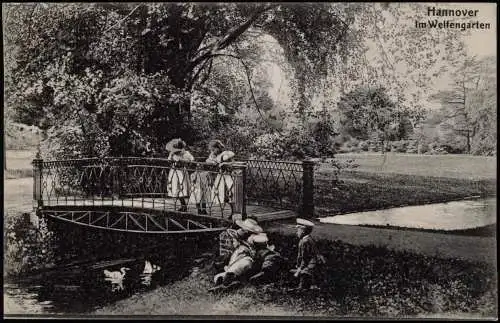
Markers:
202,180
223,185
178,179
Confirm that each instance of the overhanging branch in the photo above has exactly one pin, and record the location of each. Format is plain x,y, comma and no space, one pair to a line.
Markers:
249,81
229,38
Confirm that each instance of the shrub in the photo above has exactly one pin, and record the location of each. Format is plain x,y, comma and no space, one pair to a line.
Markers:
398,146
26,248
422,148
314,138
363,145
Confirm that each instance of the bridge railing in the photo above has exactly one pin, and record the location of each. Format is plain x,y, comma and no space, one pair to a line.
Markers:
141,182
190,187
281,184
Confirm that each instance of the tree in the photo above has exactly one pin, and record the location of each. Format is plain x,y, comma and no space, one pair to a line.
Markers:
368,112
77,59
469,108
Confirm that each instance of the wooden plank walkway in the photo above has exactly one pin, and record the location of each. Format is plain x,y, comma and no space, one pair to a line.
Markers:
260,212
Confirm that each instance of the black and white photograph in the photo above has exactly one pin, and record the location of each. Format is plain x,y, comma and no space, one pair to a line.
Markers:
250,160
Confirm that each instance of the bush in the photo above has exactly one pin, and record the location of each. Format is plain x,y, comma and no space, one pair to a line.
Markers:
268,146
314,138
399,146
27,248
412,148
363,145
422,148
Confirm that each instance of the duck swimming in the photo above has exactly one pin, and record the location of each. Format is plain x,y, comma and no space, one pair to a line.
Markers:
115,275
149,268
116,278
147,274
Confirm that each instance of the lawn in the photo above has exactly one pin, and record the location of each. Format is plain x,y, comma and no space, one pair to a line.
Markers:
359,281
18,163
448,166
365,191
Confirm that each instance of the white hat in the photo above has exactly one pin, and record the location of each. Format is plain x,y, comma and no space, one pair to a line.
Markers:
249,225
175,145
305,223
225,156
258,238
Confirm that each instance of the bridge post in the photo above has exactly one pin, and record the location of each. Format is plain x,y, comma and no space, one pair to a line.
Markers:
37,180
240,194
307,208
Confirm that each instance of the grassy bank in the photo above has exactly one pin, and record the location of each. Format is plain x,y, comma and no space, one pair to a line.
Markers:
450,166
359,282
364,191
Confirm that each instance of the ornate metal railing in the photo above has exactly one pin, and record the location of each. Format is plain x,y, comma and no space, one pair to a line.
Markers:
153,183
284,185
169,186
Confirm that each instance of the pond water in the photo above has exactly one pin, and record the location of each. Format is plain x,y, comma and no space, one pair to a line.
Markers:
457,215
77,285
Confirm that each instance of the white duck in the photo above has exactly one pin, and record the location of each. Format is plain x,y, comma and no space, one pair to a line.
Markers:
149,268
116,275
148,272
116,278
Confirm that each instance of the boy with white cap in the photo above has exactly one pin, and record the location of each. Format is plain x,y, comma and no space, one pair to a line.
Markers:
308,257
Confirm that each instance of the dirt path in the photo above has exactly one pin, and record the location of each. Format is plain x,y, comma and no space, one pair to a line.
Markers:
442,245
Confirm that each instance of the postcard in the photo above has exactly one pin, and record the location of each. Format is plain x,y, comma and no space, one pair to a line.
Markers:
250,160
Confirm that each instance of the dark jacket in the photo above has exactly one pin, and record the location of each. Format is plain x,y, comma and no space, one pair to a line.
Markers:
308,255
268,259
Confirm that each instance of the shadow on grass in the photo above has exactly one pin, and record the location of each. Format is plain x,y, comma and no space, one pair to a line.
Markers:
374,281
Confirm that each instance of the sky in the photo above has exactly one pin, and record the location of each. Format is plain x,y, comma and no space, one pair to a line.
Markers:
483,42
479,42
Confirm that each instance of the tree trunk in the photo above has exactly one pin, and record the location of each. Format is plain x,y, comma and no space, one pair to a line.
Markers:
468,141
4,154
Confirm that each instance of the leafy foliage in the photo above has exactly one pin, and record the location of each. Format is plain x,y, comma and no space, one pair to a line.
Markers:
27,248
102,61
310,138
367,112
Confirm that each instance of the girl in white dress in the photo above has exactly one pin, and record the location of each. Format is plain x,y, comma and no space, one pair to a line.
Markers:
201,180
223,185
178,179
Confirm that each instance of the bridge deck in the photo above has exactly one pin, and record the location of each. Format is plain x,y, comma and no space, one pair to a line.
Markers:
260,212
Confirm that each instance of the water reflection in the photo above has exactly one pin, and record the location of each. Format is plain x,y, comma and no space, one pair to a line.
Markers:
458,215
91,279
147,274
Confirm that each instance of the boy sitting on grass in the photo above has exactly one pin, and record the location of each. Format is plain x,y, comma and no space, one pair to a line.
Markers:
308,258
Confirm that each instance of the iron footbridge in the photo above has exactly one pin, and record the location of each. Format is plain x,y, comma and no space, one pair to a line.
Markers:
160,196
